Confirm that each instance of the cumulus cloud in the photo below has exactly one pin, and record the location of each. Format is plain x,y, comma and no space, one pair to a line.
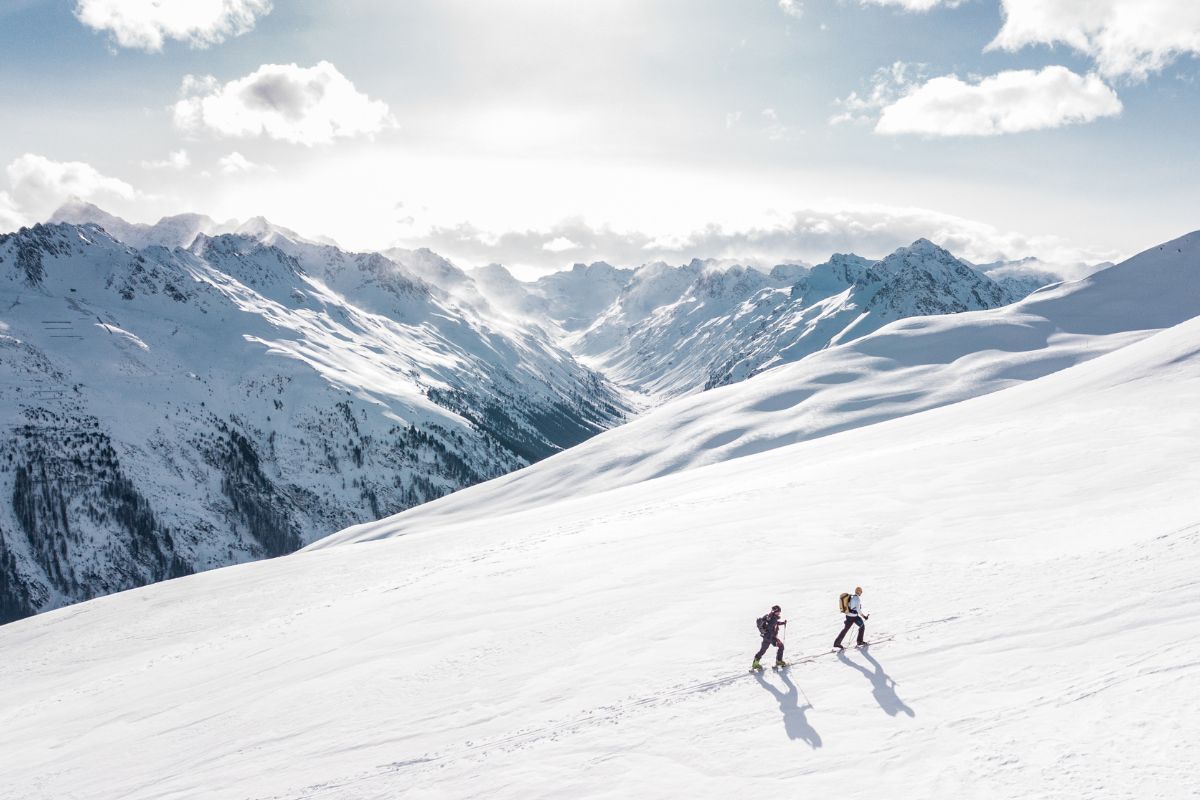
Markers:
177,160
807,235
147,24
1126,38
235,163
302,105
1008,102
39,185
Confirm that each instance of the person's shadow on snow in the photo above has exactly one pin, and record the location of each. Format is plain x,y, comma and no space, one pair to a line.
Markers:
794,721
882,686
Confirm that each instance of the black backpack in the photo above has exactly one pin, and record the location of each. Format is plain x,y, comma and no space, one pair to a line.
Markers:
763,625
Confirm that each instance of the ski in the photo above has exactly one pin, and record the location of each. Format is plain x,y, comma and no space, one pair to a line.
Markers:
775,667
865,646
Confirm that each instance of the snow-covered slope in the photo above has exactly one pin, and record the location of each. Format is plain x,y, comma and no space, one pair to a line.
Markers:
1029,559
171,410
908,366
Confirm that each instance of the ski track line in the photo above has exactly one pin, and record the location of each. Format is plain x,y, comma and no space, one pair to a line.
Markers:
603,714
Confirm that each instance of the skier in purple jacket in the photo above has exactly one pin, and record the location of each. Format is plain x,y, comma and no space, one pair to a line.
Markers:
768,627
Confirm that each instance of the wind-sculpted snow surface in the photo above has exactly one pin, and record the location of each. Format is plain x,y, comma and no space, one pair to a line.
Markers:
174,409
1029,559
906,367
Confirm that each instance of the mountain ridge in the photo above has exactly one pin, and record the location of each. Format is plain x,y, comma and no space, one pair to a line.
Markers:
171,410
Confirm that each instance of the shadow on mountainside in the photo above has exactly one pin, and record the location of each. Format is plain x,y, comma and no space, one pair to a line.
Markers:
794,719
882,685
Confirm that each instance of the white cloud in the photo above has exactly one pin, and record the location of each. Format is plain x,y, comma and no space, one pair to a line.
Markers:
560,244
732,119
40,185
235,163
793,8
177,160
888,84
147,24
10,216
1128,38
1009,102
809,235
302,105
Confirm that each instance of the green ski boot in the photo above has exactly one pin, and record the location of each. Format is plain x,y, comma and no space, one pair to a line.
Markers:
756,666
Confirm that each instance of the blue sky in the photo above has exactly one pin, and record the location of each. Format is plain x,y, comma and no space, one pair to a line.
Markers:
537,133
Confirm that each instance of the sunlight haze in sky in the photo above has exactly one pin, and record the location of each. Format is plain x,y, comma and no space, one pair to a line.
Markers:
537,133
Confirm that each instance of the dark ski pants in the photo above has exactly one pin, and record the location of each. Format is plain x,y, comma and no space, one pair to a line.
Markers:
767,643
851,621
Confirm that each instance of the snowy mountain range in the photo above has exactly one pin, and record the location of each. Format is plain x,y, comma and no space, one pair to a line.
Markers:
910,366
169,410
665,331
1014,488
191,394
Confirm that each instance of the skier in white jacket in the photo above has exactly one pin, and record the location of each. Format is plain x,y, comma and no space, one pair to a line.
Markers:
854,616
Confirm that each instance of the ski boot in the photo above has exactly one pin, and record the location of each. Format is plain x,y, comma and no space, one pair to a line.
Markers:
780,664
756,666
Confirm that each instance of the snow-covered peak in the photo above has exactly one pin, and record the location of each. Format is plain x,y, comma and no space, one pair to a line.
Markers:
734,283
788,274
48,255
924,278
924,255
248,259
430,267
598,271
834,276
178,230
79,212
575,297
